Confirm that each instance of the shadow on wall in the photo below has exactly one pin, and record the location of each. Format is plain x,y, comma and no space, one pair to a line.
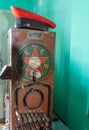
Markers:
78,95
60,13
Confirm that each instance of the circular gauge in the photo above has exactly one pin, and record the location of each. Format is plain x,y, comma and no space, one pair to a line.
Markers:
33,59
33,99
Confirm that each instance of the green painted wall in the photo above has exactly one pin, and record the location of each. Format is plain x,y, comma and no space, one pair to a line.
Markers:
71,86
5,4
78,101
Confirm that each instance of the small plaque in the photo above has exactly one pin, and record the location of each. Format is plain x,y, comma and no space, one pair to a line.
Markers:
34,35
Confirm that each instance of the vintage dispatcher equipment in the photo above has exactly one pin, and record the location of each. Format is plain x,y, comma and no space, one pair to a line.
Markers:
30,71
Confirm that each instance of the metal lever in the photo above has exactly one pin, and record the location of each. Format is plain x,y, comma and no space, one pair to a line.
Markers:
34,76
5,72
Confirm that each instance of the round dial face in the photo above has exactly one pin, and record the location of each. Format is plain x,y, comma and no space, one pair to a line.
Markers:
33,60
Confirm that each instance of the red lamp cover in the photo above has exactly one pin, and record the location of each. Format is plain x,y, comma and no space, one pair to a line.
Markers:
21,13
